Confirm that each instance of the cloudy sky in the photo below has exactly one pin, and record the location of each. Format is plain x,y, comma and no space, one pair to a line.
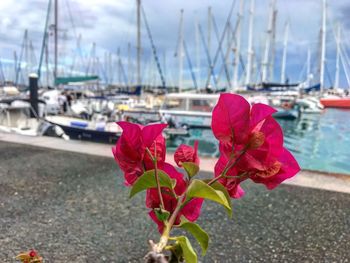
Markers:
111,24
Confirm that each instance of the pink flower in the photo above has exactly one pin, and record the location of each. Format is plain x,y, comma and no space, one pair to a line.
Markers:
231,184
251,141
191,210
287,167
130,150
32,253
185,153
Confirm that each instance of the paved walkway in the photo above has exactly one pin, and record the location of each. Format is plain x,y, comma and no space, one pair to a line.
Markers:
73,207
312,179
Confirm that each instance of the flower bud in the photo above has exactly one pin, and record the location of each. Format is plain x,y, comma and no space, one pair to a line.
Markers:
185,153
32,253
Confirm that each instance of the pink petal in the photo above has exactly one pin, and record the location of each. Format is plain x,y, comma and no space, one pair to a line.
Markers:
273,136
290,168
239,192
230,118
152,198
131,132
151,132
236,191
157,148
249,162
174,174
220,165
159,223
130,178
259,112
192,210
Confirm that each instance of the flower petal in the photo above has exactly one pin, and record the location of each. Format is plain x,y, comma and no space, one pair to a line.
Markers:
259,112
192,209
174,174
289,168
131,132
151,132
230,118
159,223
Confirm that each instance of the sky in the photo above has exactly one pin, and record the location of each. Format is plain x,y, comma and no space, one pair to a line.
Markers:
111,24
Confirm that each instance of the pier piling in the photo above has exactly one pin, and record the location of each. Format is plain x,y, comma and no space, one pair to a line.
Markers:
33,89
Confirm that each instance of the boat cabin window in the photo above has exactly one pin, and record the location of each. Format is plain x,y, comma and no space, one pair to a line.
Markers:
201,105
175,104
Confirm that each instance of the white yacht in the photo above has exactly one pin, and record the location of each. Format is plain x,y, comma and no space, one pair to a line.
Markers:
188,109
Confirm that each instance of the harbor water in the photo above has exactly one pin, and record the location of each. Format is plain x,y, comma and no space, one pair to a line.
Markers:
318,141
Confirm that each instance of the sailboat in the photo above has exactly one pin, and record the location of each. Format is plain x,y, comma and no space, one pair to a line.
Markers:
337,98
336,101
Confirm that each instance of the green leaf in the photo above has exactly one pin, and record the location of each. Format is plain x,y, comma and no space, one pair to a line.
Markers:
198,232
200,189
148,180
191,168
161,214
188,253
220,187
176,253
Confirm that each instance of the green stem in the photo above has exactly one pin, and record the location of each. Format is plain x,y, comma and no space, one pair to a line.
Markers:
227,168
154,159
169,225
242,175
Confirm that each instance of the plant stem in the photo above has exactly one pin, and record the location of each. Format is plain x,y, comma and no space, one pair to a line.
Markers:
228,167
154,159
168,226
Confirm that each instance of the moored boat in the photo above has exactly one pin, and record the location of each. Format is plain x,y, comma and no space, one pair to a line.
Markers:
188,109
310,105
336,102
96,130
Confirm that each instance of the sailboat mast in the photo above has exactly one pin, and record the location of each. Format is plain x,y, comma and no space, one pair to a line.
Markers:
197,53
129,64
15,59
238,45
268,40
47,62
180,51
323,45
138,42
308,69
284,58
26,52
209,41
273,44
56,39
250,42
336,79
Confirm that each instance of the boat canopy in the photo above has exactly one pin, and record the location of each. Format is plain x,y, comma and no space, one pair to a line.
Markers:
68,80
271,87
316,87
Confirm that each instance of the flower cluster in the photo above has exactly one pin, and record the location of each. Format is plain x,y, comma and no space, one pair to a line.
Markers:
134,153
251,147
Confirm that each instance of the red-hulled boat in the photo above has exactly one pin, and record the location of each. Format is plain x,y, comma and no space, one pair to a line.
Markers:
336,102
